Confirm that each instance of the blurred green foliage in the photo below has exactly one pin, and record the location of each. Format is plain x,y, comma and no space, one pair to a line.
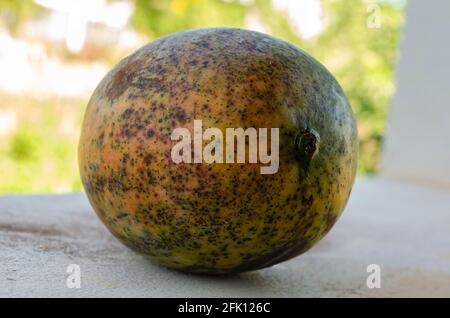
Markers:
158,18
40,155
16,12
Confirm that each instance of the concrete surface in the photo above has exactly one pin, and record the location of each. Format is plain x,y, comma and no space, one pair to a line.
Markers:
401,227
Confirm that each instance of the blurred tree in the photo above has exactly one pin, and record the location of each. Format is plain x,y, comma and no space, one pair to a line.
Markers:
14,12
159,18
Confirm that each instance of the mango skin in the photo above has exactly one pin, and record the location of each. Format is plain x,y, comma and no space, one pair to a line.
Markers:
217,218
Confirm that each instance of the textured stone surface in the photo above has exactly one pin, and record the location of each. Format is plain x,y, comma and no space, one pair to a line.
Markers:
403,228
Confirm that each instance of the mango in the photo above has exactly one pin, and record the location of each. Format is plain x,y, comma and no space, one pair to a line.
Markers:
218,218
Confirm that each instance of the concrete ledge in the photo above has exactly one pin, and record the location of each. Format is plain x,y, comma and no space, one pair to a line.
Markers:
403,228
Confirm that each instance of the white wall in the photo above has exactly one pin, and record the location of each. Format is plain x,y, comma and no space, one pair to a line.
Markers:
418,137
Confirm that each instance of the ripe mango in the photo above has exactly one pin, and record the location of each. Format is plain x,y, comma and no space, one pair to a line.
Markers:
218,218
